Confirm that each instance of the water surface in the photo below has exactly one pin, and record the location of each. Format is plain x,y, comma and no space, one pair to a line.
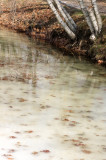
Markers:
52,107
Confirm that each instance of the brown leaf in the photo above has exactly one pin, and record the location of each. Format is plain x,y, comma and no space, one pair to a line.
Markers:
65,119
13,137
5,78
7,155
74,140
70,111
22,100
34,153
45,151
29,131
86,151
2,65
11,151
100,61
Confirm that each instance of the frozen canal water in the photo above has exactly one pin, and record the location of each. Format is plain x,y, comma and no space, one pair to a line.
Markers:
51,107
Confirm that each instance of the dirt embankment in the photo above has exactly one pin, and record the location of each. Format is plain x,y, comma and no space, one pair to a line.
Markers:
36,19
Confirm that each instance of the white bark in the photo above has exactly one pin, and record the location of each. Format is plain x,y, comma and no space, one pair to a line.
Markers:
99,19
66,28
86,14
70,18
94,21
64,14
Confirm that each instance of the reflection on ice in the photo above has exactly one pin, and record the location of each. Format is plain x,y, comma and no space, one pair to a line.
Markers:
51,107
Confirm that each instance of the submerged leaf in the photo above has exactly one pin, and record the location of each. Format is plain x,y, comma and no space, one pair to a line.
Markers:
13,137
45,151
86,151
22,100
34,153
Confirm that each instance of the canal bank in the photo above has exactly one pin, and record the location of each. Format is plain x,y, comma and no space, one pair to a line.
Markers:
37,20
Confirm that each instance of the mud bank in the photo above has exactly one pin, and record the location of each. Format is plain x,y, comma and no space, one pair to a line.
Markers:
37,20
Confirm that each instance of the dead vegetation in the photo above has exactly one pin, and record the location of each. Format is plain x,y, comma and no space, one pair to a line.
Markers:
36,19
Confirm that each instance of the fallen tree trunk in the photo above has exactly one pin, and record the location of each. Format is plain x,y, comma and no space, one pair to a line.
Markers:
64,25
63,13
96,11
